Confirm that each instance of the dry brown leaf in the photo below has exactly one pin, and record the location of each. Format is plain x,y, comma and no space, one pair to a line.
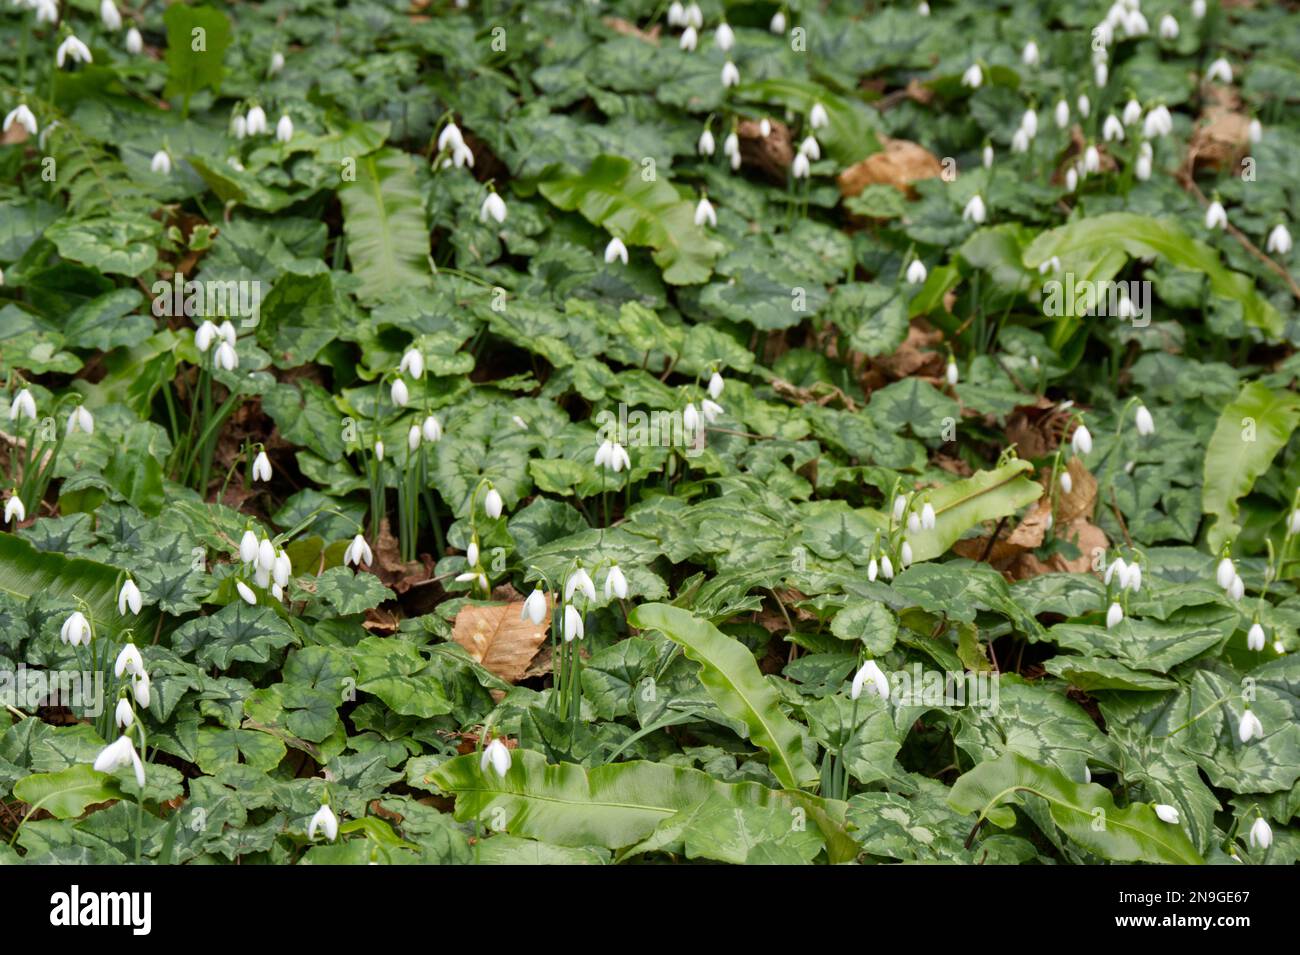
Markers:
499,637
628,28
899,164
1220,140
771,154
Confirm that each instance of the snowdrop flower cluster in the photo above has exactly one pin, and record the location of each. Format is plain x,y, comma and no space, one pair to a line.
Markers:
1127,576
130,664
451,139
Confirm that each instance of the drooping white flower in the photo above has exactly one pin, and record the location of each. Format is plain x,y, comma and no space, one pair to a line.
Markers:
1084,104
23,116
615,583
1118,568
1101,74
75,630
450,138
128,661
1132,112
494,207
1250,727
1112,129
811,148
689,40
227,357
1168,27
284,129
706,145
573,626
987,156
1255,639
1135,24
1048,267
916,272
1158,122
246,592
72,49
616,251
379,450
282,569
704,212
265,554
497,755
161,163
974,211
1237,589
261,467
1081,442
676,14
1279,240
1198,9
47,11
928,516
323,821
15,512
1029,55
1145,423
1020,141
886,567
716,385
873,568
1029,123
23,405
128,598
1071,179
238,126
1261,834
711,410
1114,615
900,505
905,555
777,24
400,394
1067,482
872,679
535,607
256,121
120,752
580,580
358,553
1142,168
950,373
724,38
1216,217
731,147
1255,131
1225,572
431,428
1220,70
914,522
108,14
730,75
80,419
492,503
140,687
973,77
1293,525
413,438
1062,114
123,715
818,117
1167,813
800,168
276,64
1134,582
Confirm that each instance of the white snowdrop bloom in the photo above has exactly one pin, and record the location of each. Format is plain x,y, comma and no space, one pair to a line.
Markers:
400,394
497,755
413,438
818,117
246,592
695,16
1261,834
900,505
676,14
616,251
256,121
72,49
974,211
1091,159
238,126
1084,105
227,358
573,625
128,598
886,567
1020,141
923,9
1101,74
1250,727
276,64
1145,423
1135,24
140,688
1029,55
431,428
987,157
128,661
1142,168
800,168
777,24
1167,813
1029,123
1216,217
704,212
161,163
872,679
731,145
379,450
284,129
471,553
248,547
733,161
282,570
730,75
1081,442
914,523
109,16
615,583
1071,179
873,568
1132,112
1062,114
973,77
204,336
724,38
1104,32
711,410
1158,122
716,384
905,555
15,512
706,145
80,419
1255,131
325,822
412,363
689,40
123,715
1067,482
691,418
494,207
1198,9
227,331
1168,27
358,553
811,148
75,630
23,116
1112,129
951,373
928,516
461,157
1279,240
261,467
265,554
535,607
1255,638
120,753
1220,70
277,592
450,138
1114,616
47,11
1237,589
916,272
1049,267
1225,572
492,503
1134,582
1118,568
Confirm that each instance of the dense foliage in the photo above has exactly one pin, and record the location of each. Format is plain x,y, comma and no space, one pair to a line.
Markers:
594,431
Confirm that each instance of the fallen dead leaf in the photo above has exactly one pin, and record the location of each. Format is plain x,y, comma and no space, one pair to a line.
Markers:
771,154
499,637
899,164
628,28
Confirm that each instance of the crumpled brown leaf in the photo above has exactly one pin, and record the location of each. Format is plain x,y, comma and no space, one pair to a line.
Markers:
500,637
1222,136
899,164
771,154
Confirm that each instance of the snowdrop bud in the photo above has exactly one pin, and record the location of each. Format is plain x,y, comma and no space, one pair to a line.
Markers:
277,63
1142,168
928,516
905,555
1062,114
777,25
1145,424
1100,74
492,503
689,40
75,630
282,569
1067,483
72,49
1198,9
1029,56
496,755
128,598
923,9
413,438
431,428
1279,240
248,547
1237,589
730,75
765,128
1091,159
1084,105
400,394
900,505
573,626
1132,112
716,384
818,117
1168,27
987,157
1255,638
973,77
706,146
800,169
1216,217
951,373
134,42
615,583
1082,440
1112,129
886,567
1250,727
872,679
724,37
616,250
23,116
1261,835
1220,70
1020,141
695,16
1225,572
704,212
15,512
265,554
1048,267
256,121
1114,616
1071,179
108,14
379,450
974,211
1255,131
873,568
1167,813
161,163
324,821
916,272
1029,123
914,523
535,607
471,553
1134,582
494,207
246,593
123,716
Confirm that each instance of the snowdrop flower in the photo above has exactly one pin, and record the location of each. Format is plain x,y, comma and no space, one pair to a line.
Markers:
987,156
811,148
248,547
379,450
724,38
75,630
616,250
108,14
140,686
1224,573
535,607
412,363
1091,159
1114,616
974,211
496,755
676,15
1029,56
1081,443
450,138
1261,835
730,75
277,63
1158,122
239,126
1132,112
1100,74
431,428
573,626
1135,24
128,598
79,419
1134,582
818,117
117,754
282,570
15,512
916,272
1219,70
23,116
612,455
23,405
1255,638
1084,105
1145,424
1029,123
74,49
261,467
284,129
471,553
1255,131
1142,168
900,505
1168,27
1198,9
492,503
204,336
928,516
873,568
161,163
1112,129
1279,240
1020,141
246,592
400,394
1237,589
716,384
973,77
704,212
324,821
265,554
905,555
689,40
227,357
695,16
1067,482
1250,727
128,661
800,168
1062,114
1293,527
123,716
1216,217
580,580
886,567
706,145
494,207
914,522
413,438
358,552
872,679
950,373
1167,813
615,583
1118,568
1048,267
731,145
256,121
777,25
711,410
